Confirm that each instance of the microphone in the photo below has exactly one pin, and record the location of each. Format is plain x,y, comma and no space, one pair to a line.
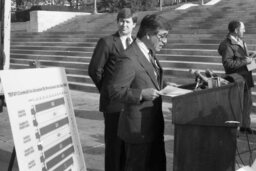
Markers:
198,75
209,80
209,73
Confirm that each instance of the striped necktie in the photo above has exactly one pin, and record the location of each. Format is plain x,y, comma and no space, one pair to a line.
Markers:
128,41
155,65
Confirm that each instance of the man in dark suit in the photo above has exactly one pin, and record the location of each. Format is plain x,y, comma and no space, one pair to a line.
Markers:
235,58
136,83
101,69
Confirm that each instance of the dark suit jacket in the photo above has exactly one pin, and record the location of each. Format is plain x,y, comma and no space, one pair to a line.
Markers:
101,68
234,59
141,121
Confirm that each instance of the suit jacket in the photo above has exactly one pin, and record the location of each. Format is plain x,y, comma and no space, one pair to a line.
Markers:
101,68
141,121
234,59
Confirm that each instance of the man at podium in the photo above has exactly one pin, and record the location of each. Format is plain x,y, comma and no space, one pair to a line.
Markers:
235,58
136,83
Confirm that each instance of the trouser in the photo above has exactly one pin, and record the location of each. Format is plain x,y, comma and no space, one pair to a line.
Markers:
114,146
145,156
247,107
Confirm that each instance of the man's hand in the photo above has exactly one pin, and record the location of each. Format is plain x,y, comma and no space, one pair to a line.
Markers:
248,60
149,94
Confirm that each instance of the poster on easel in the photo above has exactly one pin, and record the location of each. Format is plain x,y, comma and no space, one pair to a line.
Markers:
42,120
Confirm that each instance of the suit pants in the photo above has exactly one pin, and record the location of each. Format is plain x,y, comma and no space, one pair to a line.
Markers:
145,156
247,107
114,146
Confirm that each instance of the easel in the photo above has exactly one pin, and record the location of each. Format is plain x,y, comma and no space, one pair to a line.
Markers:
12,159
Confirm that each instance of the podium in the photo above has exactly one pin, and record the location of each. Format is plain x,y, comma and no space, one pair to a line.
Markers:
204,129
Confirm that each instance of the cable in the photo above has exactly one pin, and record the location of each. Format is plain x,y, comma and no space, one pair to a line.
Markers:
238,165
247,90
247,138
250,151
238,153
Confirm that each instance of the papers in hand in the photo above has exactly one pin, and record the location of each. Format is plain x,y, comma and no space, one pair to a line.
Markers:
173,91
252,65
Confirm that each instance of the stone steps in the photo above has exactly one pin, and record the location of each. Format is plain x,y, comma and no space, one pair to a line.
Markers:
83,64
91,34
74,50
166,54
50,57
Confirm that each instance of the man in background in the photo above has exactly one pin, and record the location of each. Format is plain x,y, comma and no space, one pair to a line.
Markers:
235,58
136,83
101,69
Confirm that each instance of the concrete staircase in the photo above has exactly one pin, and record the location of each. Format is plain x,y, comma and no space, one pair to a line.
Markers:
192,43
74,50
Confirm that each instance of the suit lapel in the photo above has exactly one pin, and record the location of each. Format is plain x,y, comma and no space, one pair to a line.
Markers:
117,43
146,65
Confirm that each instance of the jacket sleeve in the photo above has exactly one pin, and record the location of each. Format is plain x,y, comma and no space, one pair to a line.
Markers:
120,88
229,60
99,59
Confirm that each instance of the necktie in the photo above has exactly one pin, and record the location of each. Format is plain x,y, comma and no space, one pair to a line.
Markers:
155,66
128,41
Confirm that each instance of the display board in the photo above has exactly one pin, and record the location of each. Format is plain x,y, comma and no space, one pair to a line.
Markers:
42,120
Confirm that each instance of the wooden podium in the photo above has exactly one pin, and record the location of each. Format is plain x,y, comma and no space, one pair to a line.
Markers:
203,140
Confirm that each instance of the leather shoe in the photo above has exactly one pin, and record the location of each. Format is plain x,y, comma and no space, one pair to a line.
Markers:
247,130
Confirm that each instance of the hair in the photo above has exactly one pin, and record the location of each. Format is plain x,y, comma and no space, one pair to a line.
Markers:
151,24
126,13
233,25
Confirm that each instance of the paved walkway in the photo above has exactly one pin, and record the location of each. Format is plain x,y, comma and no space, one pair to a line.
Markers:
91,128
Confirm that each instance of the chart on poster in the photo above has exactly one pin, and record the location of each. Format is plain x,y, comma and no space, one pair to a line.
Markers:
42,120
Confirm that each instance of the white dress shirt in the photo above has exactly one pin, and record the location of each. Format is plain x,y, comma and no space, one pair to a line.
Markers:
123,40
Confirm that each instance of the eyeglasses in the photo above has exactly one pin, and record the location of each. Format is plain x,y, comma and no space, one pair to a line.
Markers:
162,37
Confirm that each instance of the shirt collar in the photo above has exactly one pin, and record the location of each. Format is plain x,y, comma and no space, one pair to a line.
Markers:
123,39
142,45
143,48
235,40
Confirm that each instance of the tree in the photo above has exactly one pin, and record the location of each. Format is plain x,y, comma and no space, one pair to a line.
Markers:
115,5
70,3
18,4
142,5
95,7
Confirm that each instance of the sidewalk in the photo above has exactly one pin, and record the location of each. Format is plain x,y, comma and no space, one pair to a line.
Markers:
91,130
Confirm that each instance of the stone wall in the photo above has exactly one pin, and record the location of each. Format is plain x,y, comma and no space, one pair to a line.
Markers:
42,20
